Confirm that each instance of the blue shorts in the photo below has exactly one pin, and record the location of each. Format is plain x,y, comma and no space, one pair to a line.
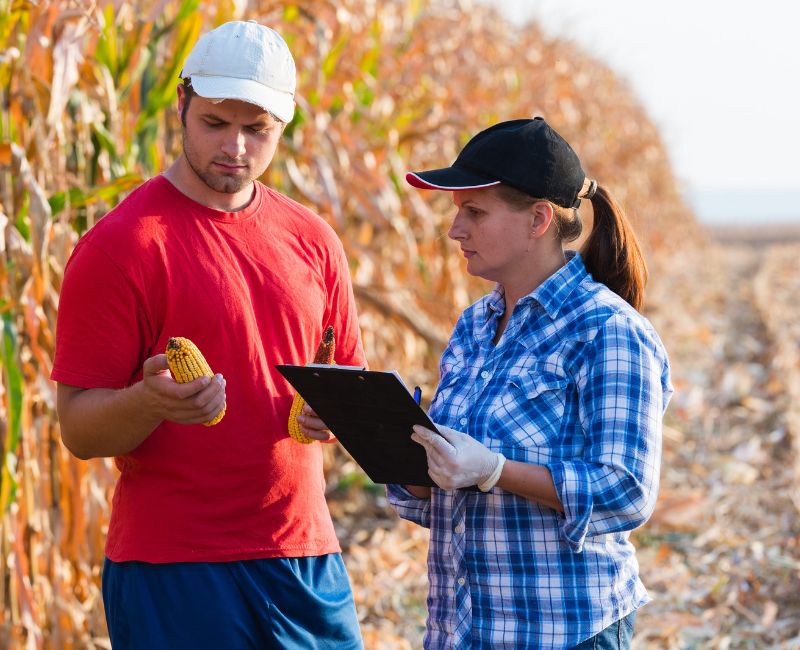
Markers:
281,603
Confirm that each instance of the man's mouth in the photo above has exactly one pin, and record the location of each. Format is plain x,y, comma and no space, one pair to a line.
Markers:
229,166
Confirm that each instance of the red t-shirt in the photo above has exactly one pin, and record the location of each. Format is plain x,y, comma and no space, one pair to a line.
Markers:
252,289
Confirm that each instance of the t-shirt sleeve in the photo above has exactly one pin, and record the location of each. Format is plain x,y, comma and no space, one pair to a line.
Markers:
100,324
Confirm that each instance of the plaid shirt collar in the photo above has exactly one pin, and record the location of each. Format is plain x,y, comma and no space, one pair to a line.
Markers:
550,295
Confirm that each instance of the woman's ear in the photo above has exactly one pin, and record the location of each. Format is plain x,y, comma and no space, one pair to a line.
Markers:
541,217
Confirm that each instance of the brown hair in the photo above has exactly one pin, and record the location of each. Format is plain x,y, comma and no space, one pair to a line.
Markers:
611,253
187,97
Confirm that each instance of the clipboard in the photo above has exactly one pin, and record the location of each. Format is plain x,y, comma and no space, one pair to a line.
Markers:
371,413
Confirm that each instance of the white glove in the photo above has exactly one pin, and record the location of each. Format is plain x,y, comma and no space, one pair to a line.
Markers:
456,460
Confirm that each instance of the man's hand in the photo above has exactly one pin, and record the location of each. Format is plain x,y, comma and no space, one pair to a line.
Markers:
194,402
455,460
312,427
89,415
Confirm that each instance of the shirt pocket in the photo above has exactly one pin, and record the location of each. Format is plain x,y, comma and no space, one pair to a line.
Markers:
449,384
530,410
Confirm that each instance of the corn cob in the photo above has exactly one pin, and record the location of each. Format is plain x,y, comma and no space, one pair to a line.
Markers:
187,363
324,355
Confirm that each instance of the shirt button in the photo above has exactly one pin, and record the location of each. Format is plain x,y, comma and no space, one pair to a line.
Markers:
459,529
463,420
485,374
461,582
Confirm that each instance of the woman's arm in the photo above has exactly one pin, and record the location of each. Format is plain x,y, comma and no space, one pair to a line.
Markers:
533,482
414,506
419,491
456,460
613,485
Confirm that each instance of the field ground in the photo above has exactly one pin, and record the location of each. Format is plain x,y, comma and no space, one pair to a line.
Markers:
756,235
721,555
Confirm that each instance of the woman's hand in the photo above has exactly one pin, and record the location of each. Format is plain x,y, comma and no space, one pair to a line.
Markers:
312,427
455,460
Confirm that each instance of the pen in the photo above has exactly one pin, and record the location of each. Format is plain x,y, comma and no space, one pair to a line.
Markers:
417,394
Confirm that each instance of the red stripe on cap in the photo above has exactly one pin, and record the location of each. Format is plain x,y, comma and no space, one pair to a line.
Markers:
416,181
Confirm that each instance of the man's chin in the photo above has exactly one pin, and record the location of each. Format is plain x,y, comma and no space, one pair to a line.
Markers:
227,184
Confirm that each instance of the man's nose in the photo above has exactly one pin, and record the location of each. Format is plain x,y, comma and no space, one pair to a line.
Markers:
234,144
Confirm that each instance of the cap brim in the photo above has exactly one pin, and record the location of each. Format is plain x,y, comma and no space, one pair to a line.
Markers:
449,178
279,103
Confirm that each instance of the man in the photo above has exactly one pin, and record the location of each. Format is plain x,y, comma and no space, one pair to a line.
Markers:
220,536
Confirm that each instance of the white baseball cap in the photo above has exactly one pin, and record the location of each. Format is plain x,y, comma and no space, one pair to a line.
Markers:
245,61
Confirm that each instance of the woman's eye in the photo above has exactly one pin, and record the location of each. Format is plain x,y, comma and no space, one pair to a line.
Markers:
470,213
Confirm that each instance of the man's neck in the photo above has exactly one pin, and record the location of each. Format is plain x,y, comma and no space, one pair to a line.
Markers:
186,181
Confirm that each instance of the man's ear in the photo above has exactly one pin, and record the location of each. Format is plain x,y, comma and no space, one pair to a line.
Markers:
541,217
181,97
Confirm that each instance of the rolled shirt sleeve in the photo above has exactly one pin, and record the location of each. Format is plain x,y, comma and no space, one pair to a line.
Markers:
408,506
623,393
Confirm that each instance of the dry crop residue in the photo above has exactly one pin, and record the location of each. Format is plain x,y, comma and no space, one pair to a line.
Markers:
721,555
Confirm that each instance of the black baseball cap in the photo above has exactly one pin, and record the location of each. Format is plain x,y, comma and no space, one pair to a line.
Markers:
526,154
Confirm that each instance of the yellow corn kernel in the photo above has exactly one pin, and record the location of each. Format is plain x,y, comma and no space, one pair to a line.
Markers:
294,426
187,363
324,354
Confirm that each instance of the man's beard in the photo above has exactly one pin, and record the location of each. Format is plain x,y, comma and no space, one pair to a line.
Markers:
217,181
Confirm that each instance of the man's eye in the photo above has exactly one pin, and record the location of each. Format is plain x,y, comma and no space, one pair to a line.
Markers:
214,125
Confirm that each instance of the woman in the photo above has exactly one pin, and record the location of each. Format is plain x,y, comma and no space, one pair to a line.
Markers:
552,392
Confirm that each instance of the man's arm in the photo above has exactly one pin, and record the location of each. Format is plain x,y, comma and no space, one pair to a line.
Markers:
97,422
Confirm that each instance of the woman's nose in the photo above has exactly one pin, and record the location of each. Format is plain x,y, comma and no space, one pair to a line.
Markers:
456,230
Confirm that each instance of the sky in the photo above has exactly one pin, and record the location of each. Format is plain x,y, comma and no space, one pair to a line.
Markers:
720,79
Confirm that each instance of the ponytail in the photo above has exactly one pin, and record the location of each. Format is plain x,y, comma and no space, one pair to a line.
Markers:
612,254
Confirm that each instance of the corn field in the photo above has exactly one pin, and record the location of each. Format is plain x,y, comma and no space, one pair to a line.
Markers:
88,110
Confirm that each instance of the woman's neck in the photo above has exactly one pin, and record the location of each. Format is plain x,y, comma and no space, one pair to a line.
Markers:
513,291
530,277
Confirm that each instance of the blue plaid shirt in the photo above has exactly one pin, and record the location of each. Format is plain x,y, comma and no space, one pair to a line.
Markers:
579,383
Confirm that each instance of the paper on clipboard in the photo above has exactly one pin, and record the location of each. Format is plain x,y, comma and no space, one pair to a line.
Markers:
371,413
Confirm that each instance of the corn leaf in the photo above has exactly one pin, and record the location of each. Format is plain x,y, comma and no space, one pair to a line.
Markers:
332,58
14,382
108,194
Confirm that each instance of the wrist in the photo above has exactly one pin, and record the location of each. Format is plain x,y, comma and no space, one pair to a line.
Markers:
419,491
142,405
491,480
